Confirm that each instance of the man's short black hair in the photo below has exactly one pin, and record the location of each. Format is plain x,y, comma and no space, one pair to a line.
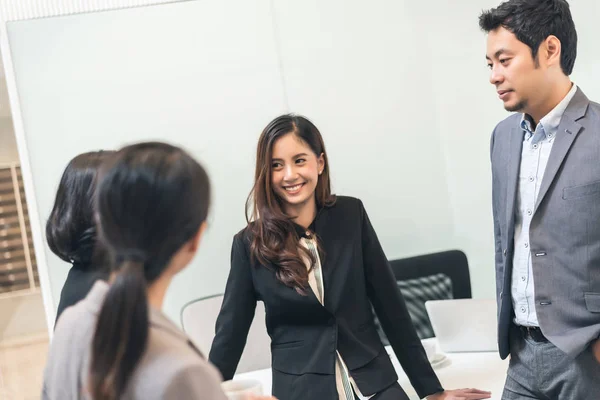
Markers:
532,21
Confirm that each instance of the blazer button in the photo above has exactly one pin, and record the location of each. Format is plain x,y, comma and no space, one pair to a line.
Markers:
504,251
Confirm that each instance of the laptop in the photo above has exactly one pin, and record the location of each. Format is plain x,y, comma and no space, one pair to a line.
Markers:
464,325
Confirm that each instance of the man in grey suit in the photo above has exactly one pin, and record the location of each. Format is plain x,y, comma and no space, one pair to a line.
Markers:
546,204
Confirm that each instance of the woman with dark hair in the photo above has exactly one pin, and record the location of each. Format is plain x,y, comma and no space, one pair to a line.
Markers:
71,230
316,263
152,202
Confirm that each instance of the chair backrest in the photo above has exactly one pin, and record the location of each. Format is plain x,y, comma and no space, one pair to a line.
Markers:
198,319
452,263
433,276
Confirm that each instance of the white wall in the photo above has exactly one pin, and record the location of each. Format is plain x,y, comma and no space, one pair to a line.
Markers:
467,110
400,93
585,74
207,86
193,82
353,80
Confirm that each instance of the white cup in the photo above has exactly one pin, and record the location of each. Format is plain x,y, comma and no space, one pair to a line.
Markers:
240,389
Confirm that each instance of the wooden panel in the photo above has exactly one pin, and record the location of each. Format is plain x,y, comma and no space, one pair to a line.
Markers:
8,209
12,255
16,280
10,232
16,286
7,204
13,266
6,185
14,274
11,244
12,220
8,197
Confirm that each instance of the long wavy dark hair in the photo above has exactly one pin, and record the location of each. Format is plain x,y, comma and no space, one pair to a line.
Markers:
71,228
275,242
152,198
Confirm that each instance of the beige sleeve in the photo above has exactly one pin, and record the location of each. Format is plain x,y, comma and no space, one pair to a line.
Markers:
196,382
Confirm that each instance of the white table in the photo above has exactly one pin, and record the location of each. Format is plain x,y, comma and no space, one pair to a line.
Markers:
485,371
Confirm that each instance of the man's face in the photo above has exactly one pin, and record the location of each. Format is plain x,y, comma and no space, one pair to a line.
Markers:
518,78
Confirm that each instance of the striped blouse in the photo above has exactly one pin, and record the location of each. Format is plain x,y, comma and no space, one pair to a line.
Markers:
346,387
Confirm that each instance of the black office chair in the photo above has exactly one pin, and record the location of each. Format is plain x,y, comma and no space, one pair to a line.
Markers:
452,263
436,276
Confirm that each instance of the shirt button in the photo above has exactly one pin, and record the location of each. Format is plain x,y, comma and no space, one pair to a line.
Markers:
535,146
523,309
529,212
523,278
526,245
531,179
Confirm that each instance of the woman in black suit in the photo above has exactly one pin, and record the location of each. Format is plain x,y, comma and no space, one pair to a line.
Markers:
316,263
71,230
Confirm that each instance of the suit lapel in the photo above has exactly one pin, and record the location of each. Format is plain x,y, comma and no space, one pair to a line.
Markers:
567,132
515,147
564,139
326,269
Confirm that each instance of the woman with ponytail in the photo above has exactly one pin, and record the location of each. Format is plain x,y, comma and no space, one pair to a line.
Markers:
71,230
152,202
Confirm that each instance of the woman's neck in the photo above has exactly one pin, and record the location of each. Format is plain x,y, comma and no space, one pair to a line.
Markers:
304,213
157,291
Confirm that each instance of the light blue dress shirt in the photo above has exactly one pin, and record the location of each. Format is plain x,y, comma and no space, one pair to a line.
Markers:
537,146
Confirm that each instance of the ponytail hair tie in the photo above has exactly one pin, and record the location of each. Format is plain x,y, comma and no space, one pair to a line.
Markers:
132,255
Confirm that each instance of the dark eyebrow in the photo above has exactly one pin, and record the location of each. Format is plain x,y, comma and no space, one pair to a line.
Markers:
498,53
295,157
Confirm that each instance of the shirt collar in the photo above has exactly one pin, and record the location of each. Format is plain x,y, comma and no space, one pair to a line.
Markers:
550,122
304,232
307,232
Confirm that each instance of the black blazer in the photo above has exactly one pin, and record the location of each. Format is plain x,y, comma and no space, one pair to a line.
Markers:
305,334
80,280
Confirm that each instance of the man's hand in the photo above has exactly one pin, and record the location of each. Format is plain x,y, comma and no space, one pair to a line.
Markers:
596,349
461,394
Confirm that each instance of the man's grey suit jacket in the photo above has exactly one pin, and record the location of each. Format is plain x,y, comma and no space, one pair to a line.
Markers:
564,232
